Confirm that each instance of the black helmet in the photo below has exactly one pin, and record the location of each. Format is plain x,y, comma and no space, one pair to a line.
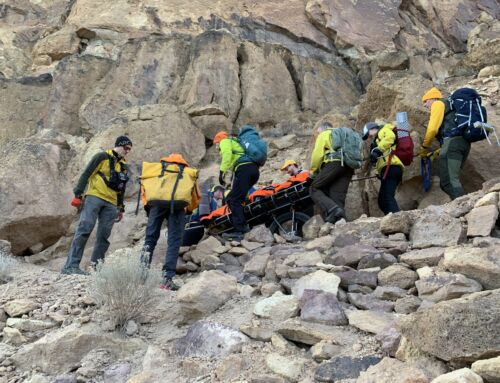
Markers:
369,126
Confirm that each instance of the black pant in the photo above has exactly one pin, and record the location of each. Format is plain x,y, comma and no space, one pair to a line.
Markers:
386,195
329,188
245,177
176,221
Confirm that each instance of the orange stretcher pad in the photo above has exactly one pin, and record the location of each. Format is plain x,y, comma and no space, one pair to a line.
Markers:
273,189
264,192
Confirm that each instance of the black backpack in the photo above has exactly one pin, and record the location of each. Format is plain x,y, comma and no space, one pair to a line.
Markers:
117,181
470,115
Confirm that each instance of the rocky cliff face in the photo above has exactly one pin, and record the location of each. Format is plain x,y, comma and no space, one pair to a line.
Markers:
76,73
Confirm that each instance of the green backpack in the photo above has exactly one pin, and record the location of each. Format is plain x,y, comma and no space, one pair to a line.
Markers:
348,146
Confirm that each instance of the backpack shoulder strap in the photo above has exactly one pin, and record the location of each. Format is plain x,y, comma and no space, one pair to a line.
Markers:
174,189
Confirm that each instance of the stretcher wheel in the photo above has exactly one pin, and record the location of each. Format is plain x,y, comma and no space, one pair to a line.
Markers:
289,224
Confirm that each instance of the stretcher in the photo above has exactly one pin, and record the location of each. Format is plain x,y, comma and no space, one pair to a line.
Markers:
284,212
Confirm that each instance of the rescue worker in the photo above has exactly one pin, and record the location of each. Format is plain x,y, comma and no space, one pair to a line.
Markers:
102,187
176,219
330,179
246,174
454,150
384,140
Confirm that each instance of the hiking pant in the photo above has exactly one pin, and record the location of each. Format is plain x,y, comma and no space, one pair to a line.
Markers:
245,177
452,158
386,195
175,223
94,209
329,187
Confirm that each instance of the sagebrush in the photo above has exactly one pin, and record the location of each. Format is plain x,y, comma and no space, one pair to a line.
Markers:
125,288
6,265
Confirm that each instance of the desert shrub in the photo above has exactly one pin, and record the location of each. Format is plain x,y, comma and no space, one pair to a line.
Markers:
7,263
124,287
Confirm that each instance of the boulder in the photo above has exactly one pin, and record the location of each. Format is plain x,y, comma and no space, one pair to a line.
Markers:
481,221
424,257
260,234
389,293
398,276
325,350
365,277
278,306
344,367
231,367
321,307
488,369
61,350
433,230
206,293
395,223
29,325
389,339
311,228
262,334
370,321
391,370
257,263
321,244
319,280
369,302
283,142
34,214
350,255
475,333
488,199
288,368
481,264
463,375
13,336
57,45
18,307
312,333
381,260
210,339
437,286
407,304
304,259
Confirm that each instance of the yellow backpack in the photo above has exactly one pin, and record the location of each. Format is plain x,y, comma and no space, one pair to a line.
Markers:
164,183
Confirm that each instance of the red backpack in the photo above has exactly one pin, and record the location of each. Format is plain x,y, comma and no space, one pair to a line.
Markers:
404,148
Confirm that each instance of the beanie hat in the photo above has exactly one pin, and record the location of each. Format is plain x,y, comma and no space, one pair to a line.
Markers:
432,93
122,141
220,136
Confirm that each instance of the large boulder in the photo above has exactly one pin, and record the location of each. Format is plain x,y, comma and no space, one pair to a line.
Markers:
35,193
391,370
61,350
210,339
206,293
481,264
465,329
437,286
436,230
488,369
277,306
319,280
464,375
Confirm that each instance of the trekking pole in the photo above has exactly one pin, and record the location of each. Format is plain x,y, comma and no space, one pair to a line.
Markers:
363,178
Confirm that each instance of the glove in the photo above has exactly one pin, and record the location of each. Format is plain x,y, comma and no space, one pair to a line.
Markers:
423,152
375,154
119,217
221,178
228,177
76,201
435,154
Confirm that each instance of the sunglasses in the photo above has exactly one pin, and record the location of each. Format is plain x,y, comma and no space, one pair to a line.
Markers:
127,148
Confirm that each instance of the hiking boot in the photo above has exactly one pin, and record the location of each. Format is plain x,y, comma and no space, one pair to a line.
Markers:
169,284
234,236
73,270
334,214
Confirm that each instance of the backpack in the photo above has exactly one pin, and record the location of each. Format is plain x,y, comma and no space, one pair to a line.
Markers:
254,146
404,146
165,183
348,146
466,104
117,181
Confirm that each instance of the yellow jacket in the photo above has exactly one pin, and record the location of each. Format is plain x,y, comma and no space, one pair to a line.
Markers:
386,141
322,147
435,121
96,185
230,151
